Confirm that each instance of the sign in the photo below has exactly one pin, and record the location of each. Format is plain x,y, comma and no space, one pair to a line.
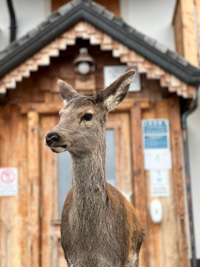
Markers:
111,73
8,181
158,159
159,183
155,134
157,154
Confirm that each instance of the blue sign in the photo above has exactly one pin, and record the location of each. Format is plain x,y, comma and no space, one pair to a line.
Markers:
155,134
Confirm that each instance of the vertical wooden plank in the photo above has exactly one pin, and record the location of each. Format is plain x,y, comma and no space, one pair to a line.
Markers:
139,183
48,194
177,22
21,154
197,3
1,165
154,230
54,254
33,188
125,181
189,34
176,143
119,122
18,158
169,249
13,216
5,203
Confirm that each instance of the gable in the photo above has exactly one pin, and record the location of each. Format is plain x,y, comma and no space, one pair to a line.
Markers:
96,37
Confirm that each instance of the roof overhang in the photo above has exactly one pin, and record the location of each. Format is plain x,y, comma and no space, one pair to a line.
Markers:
73,12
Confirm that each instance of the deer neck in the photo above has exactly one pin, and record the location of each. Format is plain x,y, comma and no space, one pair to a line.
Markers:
88,178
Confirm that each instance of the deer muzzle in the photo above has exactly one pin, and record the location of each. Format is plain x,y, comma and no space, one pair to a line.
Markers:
52,139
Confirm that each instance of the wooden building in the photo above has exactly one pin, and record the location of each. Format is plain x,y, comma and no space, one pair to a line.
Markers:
30,102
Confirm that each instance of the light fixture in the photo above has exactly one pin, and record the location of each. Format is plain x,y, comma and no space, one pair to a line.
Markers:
84,63
83,67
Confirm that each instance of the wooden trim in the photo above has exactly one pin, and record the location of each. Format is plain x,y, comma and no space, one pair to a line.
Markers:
33,179
48,192
176,144
139,183
50,108
84,30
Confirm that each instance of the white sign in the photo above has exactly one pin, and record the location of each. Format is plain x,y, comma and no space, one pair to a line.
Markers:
159,181
111,73
8,181
158,159
157,154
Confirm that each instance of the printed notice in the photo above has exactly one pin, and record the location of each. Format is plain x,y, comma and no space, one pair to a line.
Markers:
158,159
155,134
156,148
159,181
8,181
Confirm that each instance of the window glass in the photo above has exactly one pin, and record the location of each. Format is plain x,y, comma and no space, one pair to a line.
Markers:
64,172
64,179
110,157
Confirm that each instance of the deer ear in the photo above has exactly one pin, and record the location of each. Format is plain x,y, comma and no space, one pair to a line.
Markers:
66,90
116,92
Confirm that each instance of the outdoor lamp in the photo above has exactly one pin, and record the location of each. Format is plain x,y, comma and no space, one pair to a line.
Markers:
84,63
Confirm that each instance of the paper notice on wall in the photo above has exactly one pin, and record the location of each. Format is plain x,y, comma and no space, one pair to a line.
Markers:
159,183
156,144
155,134
157,159
8,181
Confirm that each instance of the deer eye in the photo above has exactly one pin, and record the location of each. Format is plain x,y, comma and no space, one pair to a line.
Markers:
87,117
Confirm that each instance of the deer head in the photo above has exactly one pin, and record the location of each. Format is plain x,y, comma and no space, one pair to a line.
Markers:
83,118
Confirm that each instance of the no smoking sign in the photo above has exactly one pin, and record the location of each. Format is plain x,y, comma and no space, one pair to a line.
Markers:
8,181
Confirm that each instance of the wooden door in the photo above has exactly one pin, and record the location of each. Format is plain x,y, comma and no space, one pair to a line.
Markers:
118,129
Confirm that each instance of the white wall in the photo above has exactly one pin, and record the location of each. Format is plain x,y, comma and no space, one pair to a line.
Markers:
193,124
151,17
29,13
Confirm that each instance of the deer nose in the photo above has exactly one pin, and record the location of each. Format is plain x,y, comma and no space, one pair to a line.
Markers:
51,138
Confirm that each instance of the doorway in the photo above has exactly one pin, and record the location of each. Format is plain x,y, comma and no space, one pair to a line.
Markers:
56,179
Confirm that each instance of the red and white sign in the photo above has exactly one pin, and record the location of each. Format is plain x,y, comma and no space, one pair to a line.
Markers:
8,181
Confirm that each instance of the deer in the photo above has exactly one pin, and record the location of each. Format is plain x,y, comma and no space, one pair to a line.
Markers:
99,226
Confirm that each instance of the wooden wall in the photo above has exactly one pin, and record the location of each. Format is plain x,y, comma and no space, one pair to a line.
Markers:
14,219
164,249
112,5
22,218
187,29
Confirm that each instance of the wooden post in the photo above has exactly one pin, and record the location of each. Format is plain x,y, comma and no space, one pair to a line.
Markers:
48,174
139,183
33,178
176,143
197,3
185,22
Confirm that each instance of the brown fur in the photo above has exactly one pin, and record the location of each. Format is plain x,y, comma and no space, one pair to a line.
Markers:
99,227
